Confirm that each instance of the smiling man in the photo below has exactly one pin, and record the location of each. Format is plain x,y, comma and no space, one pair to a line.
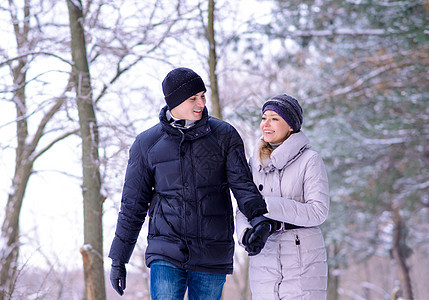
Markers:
180,173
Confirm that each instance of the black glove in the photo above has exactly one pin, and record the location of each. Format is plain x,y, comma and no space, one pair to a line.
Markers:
247,235
255,238
118,274
275,225
251,249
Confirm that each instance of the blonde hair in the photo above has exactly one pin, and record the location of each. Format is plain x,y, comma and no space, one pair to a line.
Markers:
265,151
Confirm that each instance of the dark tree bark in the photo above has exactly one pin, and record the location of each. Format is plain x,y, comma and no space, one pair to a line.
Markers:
92,251
216,107
399,254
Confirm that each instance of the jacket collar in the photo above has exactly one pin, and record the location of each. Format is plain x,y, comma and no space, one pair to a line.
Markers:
201,127
285,154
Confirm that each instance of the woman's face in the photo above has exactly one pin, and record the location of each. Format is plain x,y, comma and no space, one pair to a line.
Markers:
274,128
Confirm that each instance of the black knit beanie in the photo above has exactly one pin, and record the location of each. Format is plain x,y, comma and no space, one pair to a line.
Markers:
180,84
288,108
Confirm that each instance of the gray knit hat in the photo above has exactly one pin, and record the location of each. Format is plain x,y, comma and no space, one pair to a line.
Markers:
288,108
180,84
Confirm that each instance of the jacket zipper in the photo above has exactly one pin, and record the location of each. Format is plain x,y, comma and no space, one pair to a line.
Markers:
298,248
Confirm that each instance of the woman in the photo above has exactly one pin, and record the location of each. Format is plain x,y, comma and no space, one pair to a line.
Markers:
294,183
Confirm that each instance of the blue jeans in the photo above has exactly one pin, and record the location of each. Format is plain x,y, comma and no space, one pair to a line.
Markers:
168,282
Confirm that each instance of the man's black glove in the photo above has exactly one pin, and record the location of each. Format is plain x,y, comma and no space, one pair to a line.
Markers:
255,238
118,275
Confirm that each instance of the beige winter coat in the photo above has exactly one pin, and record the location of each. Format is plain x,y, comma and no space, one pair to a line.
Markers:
292,265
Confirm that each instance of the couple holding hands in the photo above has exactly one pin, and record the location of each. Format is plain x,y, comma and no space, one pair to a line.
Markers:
180,173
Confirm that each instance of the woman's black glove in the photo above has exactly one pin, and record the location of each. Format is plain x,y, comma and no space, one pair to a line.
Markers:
118,275
254,239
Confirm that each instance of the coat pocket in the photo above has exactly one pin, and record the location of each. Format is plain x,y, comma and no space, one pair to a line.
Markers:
165,215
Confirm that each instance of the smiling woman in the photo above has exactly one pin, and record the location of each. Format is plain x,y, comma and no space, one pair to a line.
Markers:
294,183
274,128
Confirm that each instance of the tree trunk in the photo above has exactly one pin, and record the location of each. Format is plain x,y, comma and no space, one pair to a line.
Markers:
241,276
333,279
10,229
246,287
92,251
9,247
399,254
25,156
216,107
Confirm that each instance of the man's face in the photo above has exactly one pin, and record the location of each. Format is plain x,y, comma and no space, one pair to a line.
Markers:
191,109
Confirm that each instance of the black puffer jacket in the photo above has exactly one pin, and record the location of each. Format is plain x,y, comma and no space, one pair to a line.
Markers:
183,181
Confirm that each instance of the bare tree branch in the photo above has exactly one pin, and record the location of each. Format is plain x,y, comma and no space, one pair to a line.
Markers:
46,118
7,62
36,155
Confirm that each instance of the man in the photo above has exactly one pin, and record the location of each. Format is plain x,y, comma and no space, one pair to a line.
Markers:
180,173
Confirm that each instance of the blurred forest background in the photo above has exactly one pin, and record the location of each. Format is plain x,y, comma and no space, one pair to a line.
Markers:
80,79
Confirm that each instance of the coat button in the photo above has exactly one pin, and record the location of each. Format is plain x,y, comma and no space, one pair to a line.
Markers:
261,187
188,213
